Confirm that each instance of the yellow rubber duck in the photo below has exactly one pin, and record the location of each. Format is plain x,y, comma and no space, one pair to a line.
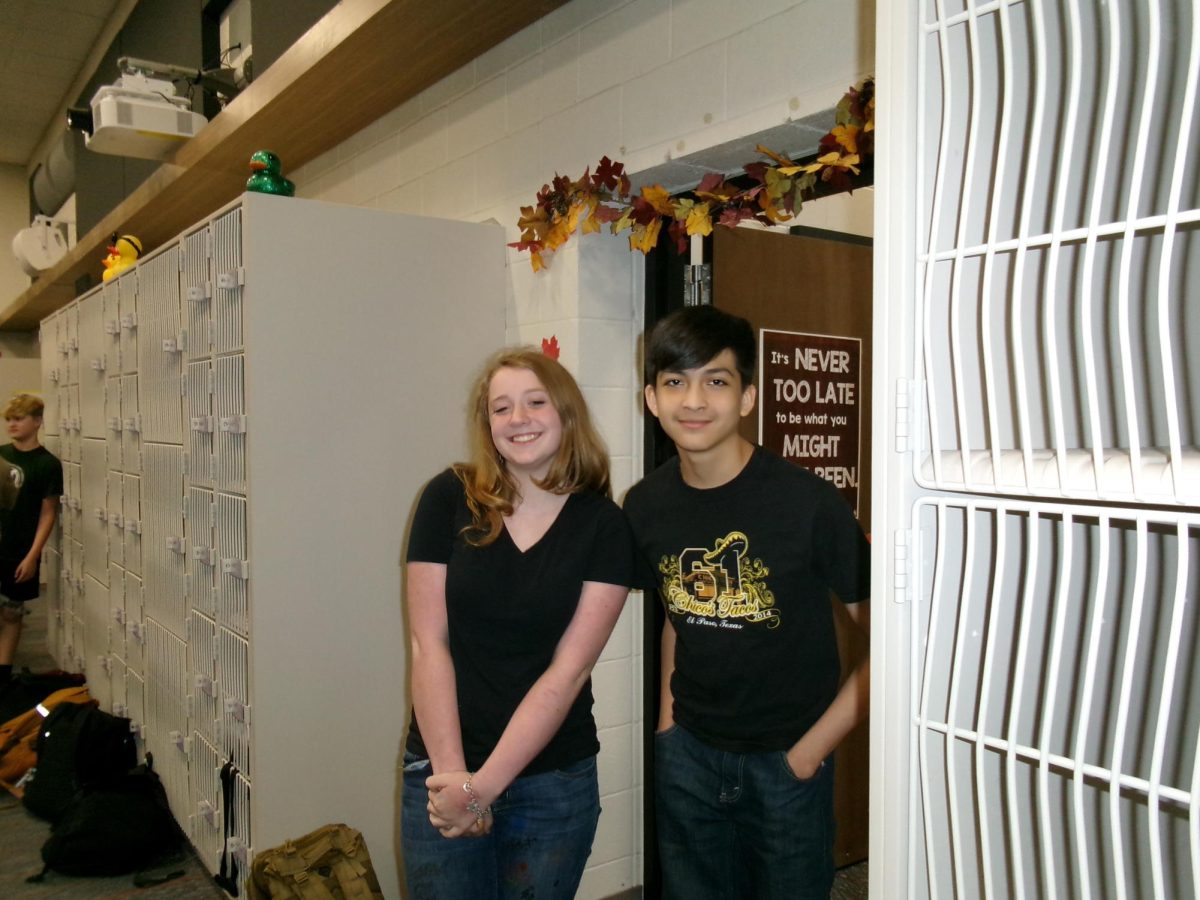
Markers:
123,252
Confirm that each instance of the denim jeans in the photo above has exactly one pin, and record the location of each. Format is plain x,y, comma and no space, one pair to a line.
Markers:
537,848
740,825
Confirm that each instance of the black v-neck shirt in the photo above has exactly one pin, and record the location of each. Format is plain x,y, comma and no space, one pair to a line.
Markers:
508,609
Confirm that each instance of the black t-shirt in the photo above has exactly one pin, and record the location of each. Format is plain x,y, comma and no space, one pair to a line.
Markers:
507,611
745,570
41,477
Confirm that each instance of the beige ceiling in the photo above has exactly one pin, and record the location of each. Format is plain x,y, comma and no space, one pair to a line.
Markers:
45,48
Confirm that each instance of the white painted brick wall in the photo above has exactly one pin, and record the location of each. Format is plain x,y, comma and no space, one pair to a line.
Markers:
643,81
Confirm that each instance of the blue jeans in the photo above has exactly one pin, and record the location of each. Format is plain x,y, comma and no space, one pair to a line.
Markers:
537,848
740,825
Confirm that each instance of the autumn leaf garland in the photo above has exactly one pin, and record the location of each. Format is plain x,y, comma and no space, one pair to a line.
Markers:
779,190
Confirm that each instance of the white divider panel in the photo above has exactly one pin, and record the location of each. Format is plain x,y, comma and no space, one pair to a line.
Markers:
200,423
71,505
229,410
116,518
163,545
71,425
117,618
1058,288
1057,704
67,574
131,516
93,473
127,289
202,553
232,568
51,374
71,338
196,292
135,703
205,825
131,426
202,645
160,348
227,278
95,650
92,372
233,677
166,686
117,687
135,624
111,294
113,426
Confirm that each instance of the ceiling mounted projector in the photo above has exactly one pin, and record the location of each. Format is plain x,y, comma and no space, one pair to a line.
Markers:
139,115
39,246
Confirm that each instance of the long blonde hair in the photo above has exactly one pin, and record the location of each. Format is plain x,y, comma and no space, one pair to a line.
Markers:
581,463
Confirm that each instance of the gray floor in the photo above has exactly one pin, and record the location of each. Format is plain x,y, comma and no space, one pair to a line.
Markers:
22,835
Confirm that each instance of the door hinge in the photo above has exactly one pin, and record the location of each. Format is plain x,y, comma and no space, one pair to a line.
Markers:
697,285
903,414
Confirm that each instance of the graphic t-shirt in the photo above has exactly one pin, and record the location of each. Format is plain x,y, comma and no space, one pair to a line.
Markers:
507,609
745,571
40,476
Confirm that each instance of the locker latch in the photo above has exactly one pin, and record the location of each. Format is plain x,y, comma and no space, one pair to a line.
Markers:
204,684
106,665
54,375
119,616
98,364
137,631
129,321
137,729
114,423
233,424
207,811
237,710
115,520
72,344
134,423
175,344
133,526
119,710
200,292
101,514
177,738
227,281
112,326
76,504
238,568
202,423
174,544
203,555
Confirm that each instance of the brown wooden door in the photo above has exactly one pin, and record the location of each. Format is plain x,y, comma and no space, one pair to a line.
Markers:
814,283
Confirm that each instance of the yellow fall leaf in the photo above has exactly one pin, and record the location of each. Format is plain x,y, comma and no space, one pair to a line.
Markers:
535,260
645,239
698,220
659,198
847,136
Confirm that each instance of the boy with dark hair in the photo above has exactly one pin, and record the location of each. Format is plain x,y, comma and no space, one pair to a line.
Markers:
25,525
744,549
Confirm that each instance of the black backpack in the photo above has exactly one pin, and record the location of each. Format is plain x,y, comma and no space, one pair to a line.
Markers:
121,825
27,689
78,746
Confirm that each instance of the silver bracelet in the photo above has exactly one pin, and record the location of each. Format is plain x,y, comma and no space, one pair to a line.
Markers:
473,801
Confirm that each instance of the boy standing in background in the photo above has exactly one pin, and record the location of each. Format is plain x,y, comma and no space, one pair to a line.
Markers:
744,548
26,521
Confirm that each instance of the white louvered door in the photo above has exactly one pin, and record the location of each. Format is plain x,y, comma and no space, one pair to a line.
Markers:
1037,702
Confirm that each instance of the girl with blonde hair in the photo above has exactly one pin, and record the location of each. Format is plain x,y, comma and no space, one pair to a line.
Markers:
518,566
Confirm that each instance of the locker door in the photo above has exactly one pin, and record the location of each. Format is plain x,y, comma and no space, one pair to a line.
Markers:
93,474
229,410
111,294
202,645
131,426
135,625
166,714
127,290
206,822
1035,718
162,536
131,514
113,426
196,286
233,683
232,568
201,554
160,348
95,650
200,423
116,518
117,620
227,275
93,365
71,341
51,373
135,699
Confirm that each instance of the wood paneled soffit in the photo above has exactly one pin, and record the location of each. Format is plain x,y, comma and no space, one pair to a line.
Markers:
363,59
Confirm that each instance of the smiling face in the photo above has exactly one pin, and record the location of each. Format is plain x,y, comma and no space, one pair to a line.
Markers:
700,408
526,428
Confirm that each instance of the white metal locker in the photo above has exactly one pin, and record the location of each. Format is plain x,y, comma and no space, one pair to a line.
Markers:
166,687
160,347
51,373
202,646
131,516
135,700
116,518
227,278
229,411
93,475
51,591
163,545
131,426
111,293
118,686
232,565
196,290
135,625
117,619
200,423
95,651
113,425
1036,715
92,371
233,684
205,825
201,558
127,289
70,338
